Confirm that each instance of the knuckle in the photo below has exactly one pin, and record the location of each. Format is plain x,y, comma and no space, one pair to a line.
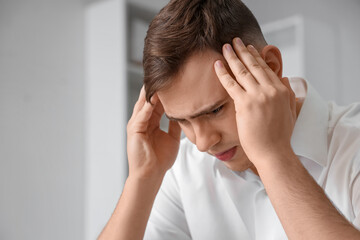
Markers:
272,92
230,83
242,72
267,68
255,66
248,105
262,98
284,91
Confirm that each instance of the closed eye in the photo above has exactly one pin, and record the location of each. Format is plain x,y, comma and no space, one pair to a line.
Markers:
217,110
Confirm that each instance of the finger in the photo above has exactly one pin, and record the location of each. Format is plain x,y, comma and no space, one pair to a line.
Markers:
145,113
271,74
241,73
174,130
286,82
231,86
250,62
157,113
139,121
159,109
140,102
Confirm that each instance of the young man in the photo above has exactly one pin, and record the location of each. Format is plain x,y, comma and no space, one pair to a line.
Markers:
259,161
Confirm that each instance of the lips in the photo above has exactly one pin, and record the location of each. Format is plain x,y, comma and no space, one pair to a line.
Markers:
227,155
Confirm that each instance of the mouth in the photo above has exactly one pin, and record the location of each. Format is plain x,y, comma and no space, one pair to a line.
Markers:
227,155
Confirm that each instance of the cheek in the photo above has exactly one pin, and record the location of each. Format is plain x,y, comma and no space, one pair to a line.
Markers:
228,123
225,126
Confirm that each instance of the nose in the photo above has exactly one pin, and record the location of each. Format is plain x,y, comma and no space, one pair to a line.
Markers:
206,136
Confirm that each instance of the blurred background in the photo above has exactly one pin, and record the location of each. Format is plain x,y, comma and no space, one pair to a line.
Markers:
70,72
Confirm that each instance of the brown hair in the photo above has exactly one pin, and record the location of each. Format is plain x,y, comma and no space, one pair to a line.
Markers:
184,27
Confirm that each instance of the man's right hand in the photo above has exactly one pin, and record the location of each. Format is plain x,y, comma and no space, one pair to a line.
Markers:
151,151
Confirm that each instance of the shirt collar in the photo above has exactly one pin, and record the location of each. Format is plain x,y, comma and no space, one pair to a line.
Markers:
309,138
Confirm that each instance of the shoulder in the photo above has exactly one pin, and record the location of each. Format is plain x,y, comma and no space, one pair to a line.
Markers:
344,116
344,125
343,164
344,137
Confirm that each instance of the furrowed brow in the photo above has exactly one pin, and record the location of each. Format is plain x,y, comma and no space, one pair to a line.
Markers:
174,119
200,113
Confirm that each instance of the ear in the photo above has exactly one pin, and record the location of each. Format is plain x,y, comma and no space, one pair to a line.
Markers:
272,56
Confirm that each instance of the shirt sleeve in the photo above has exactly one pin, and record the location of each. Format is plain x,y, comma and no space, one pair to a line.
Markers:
355,190
167,219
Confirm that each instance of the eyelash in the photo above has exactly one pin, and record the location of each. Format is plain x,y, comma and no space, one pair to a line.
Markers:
180,121
212,113
217,110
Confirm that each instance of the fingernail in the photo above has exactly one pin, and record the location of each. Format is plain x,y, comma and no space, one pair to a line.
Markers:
228,47
219,64
239,42
251,47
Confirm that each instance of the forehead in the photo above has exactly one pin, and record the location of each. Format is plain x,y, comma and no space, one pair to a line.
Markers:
195,87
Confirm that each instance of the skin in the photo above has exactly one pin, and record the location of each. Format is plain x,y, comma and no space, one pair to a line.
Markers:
202,107
260,105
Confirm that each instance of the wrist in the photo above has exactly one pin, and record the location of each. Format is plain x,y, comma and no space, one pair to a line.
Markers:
277,160
145,181
146,171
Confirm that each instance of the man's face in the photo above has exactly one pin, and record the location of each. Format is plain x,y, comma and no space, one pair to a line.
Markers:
205,111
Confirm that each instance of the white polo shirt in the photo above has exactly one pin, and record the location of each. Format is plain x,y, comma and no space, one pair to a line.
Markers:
200,198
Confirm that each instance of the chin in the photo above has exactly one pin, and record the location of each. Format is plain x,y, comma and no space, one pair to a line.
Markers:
240,162
239,165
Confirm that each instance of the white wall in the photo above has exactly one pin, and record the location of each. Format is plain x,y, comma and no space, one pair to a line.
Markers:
62,111
62,143
341,17
105,61
41,119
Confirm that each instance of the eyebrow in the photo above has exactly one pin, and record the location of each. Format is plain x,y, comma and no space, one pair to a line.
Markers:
200,113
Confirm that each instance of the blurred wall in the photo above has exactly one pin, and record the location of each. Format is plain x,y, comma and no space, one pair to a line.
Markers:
62,116
41,119
342,18
339,17
62,108
106,100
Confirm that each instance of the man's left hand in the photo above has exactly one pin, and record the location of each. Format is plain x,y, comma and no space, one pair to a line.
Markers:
265,104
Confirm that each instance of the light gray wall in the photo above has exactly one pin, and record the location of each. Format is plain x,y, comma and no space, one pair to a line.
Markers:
44,123
105,68
342,17
41,119
62,117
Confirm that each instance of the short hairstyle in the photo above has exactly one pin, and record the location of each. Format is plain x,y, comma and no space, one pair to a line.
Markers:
185,27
